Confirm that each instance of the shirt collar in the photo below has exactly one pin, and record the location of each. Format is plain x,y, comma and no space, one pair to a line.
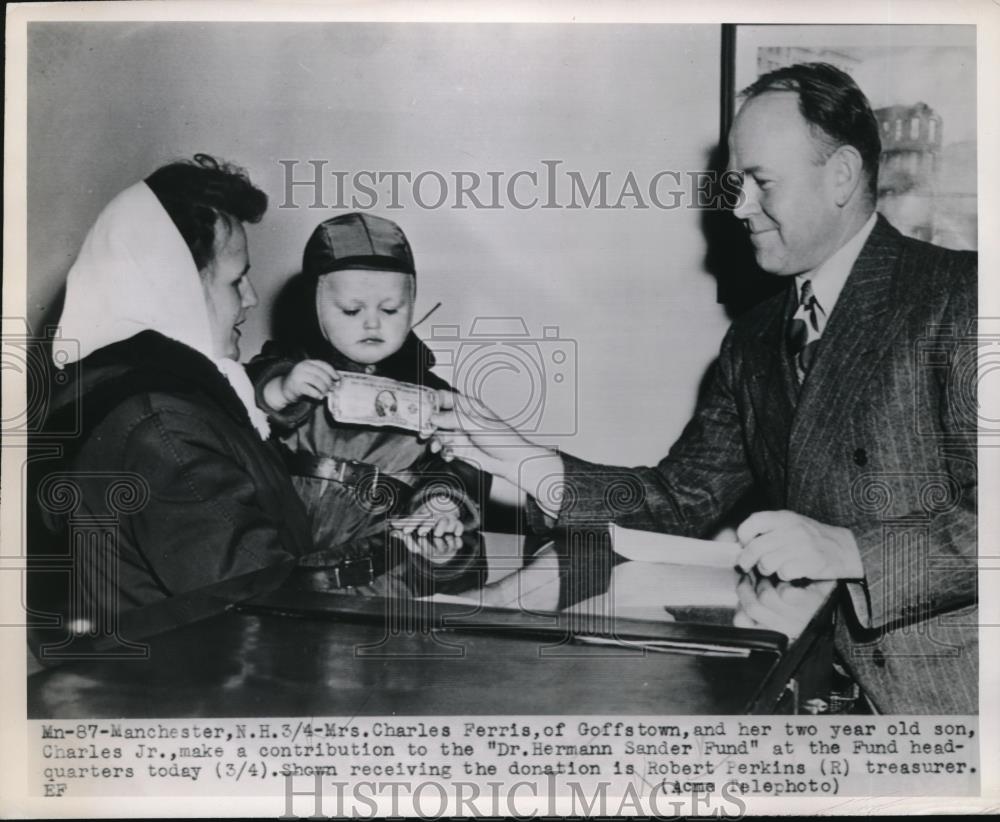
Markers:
829,277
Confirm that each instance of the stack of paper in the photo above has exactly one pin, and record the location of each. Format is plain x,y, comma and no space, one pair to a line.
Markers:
666,572
649,546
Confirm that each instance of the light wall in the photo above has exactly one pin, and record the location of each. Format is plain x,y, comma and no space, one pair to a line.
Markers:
108,103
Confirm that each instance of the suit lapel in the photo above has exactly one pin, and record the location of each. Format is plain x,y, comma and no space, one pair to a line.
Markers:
857,333
774,402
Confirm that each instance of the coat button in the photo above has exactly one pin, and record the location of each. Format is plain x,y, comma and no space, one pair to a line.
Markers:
860,456
879,658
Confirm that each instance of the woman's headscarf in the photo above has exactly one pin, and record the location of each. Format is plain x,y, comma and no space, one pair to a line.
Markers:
135,273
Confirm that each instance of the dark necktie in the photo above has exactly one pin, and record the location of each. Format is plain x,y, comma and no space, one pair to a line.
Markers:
805,329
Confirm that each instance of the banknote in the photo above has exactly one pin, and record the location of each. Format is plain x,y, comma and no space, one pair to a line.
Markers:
361,399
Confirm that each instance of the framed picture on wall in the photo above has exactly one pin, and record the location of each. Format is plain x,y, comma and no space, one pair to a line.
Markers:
921,83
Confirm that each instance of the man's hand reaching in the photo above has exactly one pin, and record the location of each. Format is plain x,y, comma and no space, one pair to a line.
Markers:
467,429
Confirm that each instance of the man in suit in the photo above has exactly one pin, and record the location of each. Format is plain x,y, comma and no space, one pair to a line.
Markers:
847,403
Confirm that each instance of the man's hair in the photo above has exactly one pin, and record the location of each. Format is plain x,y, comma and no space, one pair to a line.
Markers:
197,194
837,111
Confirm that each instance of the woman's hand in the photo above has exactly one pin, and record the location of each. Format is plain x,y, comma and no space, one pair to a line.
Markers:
439,550
310,379
435,517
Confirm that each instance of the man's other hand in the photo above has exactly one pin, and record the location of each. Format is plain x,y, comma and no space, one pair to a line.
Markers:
794,547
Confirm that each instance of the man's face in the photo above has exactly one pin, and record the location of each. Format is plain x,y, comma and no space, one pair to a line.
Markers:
227,288
788,203
366,315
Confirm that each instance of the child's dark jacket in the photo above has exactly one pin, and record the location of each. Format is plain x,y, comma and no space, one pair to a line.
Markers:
318,448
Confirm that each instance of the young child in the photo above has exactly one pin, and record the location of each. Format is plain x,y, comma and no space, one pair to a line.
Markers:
360,284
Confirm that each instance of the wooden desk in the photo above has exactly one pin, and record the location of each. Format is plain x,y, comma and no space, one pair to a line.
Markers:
280,643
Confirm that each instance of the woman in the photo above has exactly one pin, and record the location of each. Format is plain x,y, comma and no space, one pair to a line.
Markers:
154,304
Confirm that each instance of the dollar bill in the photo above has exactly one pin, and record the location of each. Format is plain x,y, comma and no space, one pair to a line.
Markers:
360,399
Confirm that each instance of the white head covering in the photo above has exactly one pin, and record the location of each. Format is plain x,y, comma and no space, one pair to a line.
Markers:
135,273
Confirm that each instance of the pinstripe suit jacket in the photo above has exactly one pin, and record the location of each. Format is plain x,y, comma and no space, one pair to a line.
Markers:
881,439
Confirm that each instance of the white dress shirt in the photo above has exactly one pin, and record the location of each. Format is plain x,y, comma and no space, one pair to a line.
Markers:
829,277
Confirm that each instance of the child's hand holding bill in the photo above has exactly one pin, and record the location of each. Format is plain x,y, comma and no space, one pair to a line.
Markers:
309,379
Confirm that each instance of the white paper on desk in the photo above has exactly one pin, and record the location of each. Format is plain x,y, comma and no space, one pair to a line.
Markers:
650,546
675,586
646,590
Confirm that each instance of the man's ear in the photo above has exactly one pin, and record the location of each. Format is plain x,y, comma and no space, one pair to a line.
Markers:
847,168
